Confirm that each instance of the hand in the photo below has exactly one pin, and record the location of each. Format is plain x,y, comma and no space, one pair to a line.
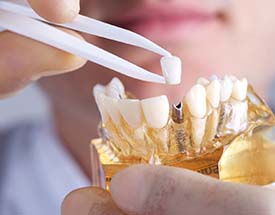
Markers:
172,191
23,60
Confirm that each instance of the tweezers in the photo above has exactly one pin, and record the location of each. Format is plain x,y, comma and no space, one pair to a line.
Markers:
21,19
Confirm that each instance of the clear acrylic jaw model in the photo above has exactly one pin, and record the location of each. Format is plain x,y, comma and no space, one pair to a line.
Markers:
222,128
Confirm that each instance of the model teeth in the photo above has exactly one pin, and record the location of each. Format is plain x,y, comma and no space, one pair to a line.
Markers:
240,89
207,118
98,92
111,105
213,91
213,78
198,128
226,88
203,81
196,101
171,69
130,109
115,89
156,111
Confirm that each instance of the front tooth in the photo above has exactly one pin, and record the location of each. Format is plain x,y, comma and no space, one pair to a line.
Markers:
111,105
213,91
156,111
130,109
240,89
171,69
198,129
98,92
226,88
196,101
203,81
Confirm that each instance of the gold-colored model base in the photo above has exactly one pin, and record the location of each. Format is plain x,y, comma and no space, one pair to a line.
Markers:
249,159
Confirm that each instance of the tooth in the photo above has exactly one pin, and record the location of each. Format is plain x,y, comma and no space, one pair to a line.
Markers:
156,111
213,78
115,89
226,88
198,128
98,92
240,89
116,83
196,101
130,109
231,77
171,69
213,91
212,124
203,81
111,105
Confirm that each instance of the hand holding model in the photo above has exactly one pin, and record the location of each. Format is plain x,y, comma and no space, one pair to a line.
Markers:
19,62
163,190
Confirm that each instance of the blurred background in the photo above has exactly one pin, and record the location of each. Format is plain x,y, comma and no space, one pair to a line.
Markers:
28,104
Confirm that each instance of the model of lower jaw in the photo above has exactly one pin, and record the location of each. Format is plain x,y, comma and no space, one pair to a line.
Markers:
215,113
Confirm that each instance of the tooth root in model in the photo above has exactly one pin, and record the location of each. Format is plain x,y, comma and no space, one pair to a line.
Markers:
111,105
130,109
198,130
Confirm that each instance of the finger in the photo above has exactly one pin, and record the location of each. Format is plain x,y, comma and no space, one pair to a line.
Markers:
23,60
163,190
89,201
58,11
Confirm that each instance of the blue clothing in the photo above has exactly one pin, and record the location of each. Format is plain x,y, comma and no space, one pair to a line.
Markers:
36,171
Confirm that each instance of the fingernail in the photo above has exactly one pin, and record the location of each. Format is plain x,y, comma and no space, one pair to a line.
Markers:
130,188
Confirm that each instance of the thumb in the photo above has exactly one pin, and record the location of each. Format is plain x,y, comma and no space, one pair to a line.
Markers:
56,10
89,201
166,190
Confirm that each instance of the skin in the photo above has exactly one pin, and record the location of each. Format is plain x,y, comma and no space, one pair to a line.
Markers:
240,43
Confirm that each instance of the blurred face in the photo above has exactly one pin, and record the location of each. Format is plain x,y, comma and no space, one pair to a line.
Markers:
210,36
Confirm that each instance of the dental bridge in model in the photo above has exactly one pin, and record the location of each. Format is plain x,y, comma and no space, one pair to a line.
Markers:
21,19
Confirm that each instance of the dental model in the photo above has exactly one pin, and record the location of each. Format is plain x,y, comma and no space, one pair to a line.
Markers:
214,122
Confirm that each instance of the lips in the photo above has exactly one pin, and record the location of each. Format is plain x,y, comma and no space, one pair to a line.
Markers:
162,22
